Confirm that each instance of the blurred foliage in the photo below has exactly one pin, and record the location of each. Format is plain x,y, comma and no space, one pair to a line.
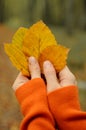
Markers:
68,13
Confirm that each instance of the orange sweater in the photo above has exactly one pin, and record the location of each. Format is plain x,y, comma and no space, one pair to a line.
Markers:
37,107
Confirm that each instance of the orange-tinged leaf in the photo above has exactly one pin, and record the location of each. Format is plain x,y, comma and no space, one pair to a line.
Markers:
37,38
17,57
57,54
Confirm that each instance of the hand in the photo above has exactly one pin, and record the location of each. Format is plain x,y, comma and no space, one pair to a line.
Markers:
34,71
65,77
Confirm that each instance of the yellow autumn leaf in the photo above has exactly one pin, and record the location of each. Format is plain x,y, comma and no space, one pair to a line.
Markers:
57,54
37,38
19,36
17,57
37,41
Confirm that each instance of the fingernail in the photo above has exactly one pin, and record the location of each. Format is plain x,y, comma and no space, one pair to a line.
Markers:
32,60
47,63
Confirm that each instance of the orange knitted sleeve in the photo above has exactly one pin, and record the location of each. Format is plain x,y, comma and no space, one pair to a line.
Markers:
65,106
32,97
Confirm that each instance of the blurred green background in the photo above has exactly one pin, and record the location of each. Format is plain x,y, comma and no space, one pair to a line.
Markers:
66,19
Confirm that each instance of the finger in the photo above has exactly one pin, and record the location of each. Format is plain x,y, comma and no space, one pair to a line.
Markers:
34,68
67,77
66,73
20,80
50,75
65,70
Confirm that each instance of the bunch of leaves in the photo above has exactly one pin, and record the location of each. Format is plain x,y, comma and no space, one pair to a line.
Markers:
37,41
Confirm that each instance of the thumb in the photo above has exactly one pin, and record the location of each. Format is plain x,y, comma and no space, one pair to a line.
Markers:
67,77
20,80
